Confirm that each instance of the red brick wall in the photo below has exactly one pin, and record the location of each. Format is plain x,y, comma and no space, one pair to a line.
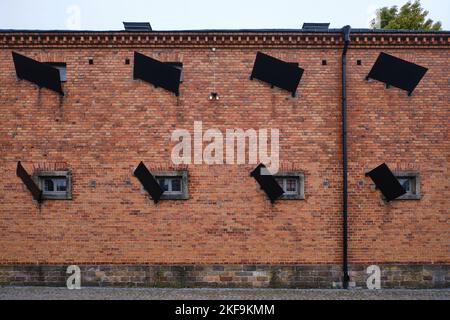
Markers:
107,123
408,133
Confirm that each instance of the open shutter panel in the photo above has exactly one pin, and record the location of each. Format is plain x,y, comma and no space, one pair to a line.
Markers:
148,182
385,180
37,72
396,72
158,73
267,182
278,73
26,179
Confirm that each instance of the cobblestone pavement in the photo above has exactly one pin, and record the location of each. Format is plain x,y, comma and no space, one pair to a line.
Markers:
47,293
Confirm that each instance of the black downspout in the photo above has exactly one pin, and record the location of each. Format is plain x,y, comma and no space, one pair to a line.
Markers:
346,36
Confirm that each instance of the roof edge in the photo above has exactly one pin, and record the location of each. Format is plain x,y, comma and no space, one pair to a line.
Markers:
331,30
245,38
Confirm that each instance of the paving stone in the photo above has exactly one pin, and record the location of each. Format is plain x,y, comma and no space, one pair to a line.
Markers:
104,293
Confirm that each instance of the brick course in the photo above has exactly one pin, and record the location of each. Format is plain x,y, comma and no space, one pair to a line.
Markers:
107,123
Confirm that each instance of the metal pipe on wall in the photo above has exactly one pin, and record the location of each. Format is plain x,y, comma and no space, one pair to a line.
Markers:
346,38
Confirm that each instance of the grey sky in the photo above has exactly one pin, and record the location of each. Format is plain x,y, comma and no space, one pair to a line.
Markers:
198,14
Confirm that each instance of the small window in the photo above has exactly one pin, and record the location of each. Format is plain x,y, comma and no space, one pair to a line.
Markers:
179,66
410,181
292,184
174,184
62,68
54,184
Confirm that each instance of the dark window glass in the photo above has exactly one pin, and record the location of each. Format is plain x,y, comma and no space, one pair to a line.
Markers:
291,185
61,185
406,183
48,185
288,184
62,68
179,66
176,185
55,185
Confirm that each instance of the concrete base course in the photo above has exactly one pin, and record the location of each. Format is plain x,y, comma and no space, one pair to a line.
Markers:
227,276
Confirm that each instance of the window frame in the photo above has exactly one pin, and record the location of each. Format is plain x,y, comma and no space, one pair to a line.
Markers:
40,176
300,176
415,177
183,174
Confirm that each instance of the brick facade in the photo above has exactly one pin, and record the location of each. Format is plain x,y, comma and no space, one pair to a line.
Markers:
107,123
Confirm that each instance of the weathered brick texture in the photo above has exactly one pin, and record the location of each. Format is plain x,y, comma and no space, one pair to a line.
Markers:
107,123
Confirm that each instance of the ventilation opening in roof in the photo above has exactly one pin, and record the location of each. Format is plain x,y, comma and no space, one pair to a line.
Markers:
137,26
315,26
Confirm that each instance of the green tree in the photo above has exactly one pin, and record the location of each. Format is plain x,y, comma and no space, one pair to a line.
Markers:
411,17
